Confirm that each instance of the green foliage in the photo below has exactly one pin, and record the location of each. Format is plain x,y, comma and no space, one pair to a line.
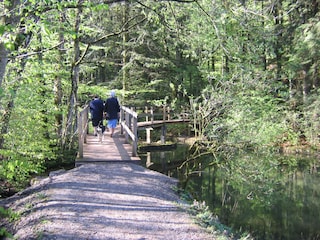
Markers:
86,92
10,216
8,213
305,50
250,70
207,219
242,114
254,118
30,141
251,190
4,233
310,125
241,64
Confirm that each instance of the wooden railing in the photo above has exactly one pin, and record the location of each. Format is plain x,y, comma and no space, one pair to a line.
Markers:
129,118
129,127
152,113
128,122
83,120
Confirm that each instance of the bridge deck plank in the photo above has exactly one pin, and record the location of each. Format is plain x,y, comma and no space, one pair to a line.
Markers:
111,149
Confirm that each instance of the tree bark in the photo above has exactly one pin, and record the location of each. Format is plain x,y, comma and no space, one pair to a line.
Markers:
71,123
278,34
11,19
3,62
124,41
58,84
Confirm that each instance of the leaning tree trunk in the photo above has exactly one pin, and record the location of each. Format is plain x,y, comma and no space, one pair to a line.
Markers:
12,19
58,84
9,16
5,119
8,108
3,61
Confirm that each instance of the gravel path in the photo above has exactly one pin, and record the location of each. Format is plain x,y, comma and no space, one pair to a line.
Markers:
107,201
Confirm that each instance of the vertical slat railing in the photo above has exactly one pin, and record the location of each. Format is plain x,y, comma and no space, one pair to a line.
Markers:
129,125
83,119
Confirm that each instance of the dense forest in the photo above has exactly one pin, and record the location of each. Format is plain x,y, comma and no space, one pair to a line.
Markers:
246,70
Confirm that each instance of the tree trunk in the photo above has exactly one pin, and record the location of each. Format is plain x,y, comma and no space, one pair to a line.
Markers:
3,62
71,123
58,85
278,34
12,20
307,83
6,119
124,42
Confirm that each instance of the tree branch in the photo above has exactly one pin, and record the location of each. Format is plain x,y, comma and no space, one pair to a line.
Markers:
37,52
122,30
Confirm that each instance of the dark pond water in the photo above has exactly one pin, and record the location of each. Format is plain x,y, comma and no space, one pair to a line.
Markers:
270,196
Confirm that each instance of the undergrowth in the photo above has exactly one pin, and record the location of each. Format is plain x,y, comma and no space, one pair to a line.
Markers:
6,215
207,219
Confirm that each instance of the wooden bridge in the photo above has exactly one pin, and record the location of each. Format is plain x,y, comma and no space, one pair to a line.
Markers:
122,147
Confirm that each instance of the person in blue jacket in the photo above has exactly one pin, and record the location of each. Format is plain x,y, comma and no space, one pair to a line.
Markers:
96,111
112,109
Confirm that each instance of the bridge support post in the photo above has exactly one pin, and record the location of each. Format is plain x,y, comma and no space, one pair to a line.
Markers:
163,134
148,163
148,131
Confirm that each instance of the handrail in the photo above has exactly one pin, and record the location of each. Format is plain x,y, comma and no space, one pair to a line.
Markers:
83,120
163,113
128,122
129,125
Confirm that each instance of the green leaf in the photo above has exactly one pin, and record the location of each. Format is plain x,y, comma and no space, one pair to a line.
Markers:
2,29
101,7
9,46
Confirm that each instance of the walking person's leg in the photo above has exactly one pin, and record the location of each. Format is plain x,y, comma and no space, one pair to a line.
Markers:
95,124
112,123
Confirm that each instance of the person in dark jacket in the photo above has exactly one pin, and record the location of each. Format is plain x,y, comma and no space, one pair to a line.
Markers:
96,111
112,109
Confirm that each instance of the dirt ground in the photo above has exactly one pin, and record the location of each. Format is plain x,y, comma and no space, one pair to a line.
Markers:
106,201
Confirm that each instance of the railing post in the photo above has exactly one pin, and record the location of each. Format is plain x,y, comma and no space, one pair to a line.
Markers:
146,112
80,136
85,122
164,112
127,119
83,129
168,111
163,134
121,119
151,112
135,140
130,119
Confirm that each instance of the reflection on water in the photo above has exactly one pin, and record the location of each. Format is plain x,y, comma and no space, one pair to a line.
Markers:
165,162
272,197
